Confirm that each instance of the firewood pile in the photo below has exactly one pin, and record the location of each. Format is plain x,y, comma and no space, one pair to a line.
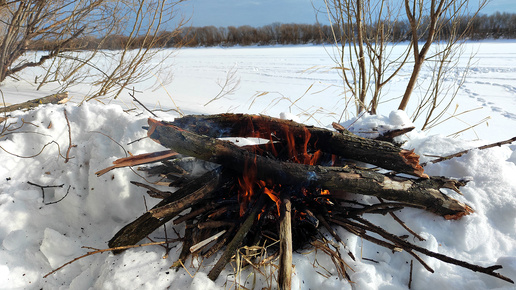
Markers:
291,189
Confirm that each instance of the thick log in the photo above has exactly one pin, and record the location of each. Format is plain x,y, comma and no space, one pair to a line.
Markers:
421,192
150,221
52,99
347,144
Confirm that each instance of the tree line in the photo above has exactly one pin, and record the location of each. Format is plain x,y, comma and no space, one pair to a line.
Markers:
496,26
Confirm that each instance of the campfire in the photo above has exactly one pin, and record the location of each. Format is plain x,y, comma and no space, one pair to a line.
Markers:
290,189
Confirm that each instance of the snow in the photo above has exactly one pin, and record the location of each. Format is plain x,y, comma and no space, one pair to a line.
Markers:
37,235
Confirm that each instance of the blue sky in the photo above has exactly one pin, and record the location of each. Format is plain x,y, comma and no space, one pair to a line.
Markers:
263,12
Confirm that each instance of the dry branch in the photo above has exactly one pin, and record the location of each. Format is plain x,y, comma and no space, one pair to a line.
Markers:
115,249
409,247
423,192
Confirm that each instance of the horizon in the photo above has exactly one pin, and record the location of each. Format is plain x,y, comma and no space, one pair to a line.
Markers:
257,13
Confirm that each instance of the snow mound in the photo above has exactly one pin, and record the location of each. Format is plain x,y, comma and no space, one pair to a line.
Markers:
37,237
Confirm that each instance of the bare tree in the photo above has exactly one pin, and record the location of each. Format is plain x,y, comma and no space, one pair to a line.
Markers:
65,27
440,15
362,30
366,32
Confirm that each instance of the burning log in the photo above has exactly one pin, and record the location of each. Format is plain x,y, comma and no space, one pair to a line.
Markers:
422,192
346,144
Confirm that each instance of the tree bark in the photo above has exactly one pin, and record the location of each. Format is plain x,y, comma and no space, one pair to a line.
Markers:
347,144
422,192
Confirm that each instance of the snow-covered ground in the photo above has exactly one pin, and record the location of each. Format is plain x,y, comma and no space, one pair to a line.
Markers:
37,237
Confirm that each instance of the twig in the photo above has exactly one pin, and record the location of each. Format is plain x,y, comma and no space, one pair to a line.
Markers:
153,192
69,138
325,223
37,154
221,243
47,186
205,242
459,154
137,140
107,250
337,260
410,276
67,191
185,251
194,213
396,218
136,100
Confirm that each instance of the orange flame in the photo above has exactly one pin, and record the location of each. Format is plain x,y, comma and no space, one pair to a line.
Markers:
325,192
274,196
302,157
247,183
296,153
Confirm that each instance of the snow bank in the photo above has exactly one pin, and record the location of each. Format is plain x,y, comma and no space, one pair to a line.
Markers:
37,237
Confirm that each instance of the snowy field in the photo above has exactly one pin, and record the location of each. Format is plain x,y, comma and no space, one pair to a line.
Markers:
37,235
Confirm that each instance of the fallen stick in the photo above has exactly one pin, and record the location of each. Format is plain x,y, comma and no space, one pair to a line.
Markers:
396,218
52,99
422,192
98,251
